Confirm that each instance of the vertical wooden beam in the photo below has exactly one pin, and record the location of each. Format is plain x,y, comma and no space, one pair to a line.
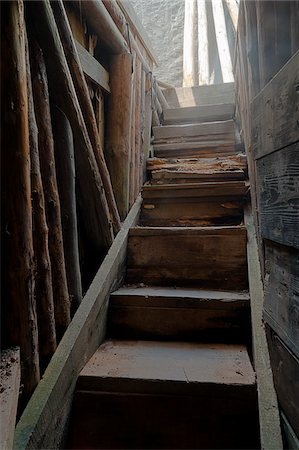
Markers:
18,299
266,40
137,125
189,69
147,120
203,44
294,5
233,9
118,141
252,48
133,133
222,41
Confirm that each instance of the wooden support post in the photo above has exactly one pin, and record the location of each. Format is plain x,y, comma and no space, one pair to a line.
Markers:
141,130
233,9
118,141
133,134
137,120
203,45
85,104
66,176
147,121
222,42
18,301
43,279
91,195
52,201
189,70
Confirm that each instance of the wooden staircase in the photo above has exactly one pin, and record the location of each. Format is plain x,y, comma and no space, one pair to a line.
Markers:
174,371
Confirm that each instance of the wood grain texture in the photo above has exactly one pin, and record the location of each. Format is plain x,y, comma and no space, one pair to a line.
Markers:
178,314
200,95
278,196
43,423
285,366
211,257
282,293
208,113
275,111
222,128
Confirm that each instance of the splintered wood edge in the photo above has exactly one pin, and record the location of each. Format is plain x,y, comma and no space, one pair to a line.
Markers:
270,430
37,427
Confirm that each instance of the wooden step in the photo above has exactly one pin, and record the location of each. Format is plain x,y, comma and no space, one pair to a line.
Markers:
202,148
205,257
179,314
143,394
200,95
197,114
207,131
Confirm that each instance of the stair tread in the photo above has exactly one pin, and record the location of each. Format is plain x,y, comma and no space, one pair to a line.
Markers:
189,231
182,362
213,113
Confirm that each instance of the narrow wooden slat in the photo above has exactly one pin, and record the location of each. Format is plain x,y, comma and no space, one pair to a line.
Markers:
92,68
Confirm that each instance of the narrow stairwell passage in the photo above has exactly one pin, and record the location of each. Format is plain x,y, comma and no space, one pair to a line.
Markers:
175,370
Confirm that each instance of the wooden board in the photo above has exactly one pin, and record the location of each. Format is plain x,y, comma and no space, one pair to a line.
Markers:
282,293
211,257
205,149
221,128
179,314
208,113
200,95
285,366
42,424
275,111
167,176
278,196
10,370
92,68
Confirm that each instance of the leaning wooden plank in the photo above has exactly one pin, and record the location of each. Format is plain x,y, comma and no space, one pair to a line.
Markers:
85,104
208,113
277,176
275,111
10,370
270,432
91,195
226,127
92,68
18,299
43,422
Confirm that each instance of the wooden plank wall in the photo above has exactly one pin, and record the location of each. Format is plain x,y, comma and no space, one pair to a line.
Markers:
267,86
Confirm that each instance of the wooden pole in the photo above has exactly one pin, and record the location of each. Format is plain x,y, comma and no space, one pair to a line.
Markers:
133,134
118,140
43,279
189,70
222,42
85,104
66,176
203,44
52,201
18,301
91,195
137,119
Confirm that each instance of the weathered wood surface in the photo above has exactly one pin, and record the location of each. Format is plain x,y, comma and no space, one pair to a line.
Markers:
285,366
43,423
91,196
137,120
179,385
168,176
92,68
204,148
291,439
203,45
208,113
200,95
282,293
223,128
86,105
49,180
66,178
211,257
118,140
269,417
10,371
179,314
275,111
189,46
43,277
18,301
278,196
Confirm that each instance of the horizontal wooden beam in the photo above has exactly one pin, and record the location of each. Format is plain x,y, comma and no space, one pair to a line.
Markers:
92,68
43,422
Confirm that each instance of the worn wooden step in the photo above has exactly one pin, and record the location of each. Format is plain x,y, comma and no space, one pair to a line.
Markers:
207,131
179,314
202,148
206,257
200,95
143,394
197,114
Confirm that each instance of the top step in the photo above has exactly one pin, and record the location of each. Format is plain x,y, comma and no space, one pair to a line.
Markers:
200,95
198,114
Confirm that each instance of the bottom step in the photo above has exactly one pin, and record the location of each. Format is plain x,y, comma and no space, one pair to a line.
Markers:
139,394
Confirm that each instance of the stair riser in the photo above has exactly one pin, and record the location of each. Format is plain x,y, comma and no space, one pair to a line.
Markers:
198,114
209,260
